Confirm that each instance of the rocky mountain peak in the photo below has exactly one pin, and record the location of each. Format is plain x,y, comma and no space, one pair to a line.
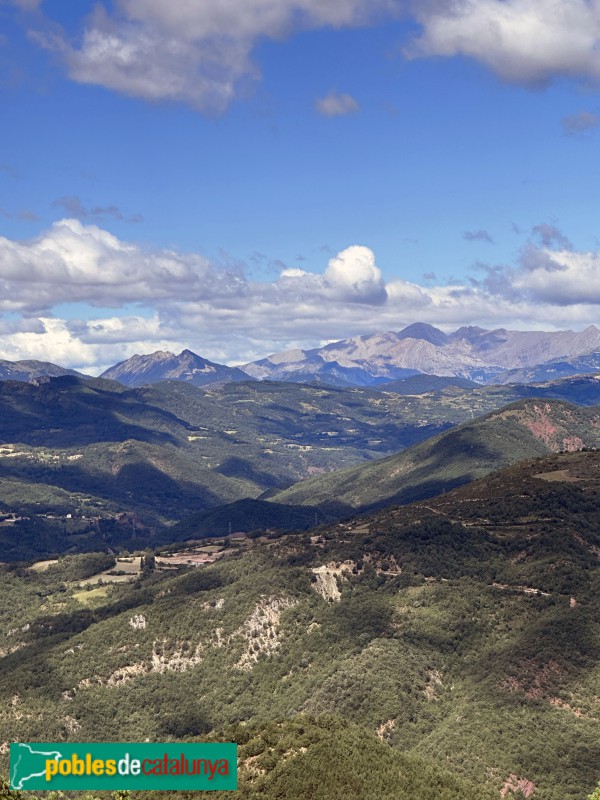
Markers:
422,330
164,365
470,352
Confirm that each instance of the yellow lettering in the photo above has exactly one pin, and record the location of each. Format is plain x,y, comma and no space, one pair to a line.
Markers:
78,765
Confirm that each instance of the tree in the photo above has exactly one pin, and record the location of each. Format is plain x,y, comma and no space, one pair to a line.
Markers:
595,795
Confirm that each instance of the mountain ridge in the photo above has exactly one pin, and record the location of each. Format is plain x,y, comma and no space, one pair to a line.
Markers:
515,432
469,352
29,370
141,370
462,632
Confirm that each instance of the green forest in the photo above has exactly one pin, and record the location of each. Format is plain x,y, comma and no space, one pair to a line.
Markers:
453,642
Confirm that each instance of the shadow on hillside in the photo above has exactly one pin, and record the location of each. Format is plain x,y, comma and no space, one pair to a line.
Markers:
136,485
68,413
234,467
423,491
248,515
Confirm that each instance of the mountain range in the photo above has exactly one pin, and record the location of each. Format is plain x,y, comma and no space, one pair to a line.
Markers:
76,455
435,635
474,353
94,449
470,353
30,370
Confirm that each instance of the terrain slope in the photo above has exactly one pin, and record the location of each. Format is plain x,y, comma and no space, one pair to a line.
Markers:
462,633
518,431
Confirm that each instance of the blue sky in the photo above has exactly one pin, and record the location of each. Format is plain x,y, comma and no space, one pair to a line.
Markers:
247,176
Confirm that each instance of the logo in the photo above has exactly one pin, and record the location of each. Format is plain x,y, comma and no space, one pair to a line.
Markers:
121,766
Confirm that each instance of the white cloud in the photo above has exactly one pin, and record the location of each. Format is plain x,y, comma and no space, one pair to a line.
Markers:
228,317
201,53
408,295
335,104
89,351
122,331
559,277
14,325
74,262
198,53
248,19
353,275
52,343
523,41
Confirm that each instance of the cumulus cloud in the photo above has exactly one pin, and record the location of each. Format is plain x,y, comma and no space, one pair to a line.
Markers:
201,53
580,123
182,300
480,235
73,262
353,275
523,41
335,104
55,341
559,277
194,52
22,325
121,330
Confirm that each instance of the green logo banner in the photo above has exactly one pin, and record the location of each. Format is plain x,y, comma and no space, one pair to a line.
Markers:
120,766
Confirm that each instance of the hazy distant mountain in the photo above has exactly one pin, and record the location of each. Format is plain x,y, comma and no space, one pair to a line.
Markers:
165,366
28,370
553,370
470,352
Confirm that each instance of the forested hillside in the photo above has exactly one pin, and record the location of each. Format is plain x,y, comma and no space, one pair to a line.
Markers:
516,432
91,464
463,631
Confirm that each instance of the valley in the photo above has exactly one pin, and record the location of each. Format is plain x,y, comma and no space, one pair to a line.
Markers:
299,400
461,633
407,573
90,463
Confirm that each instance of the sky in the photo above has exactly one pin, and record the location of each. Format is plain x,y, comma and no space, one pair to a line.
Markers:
243,177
